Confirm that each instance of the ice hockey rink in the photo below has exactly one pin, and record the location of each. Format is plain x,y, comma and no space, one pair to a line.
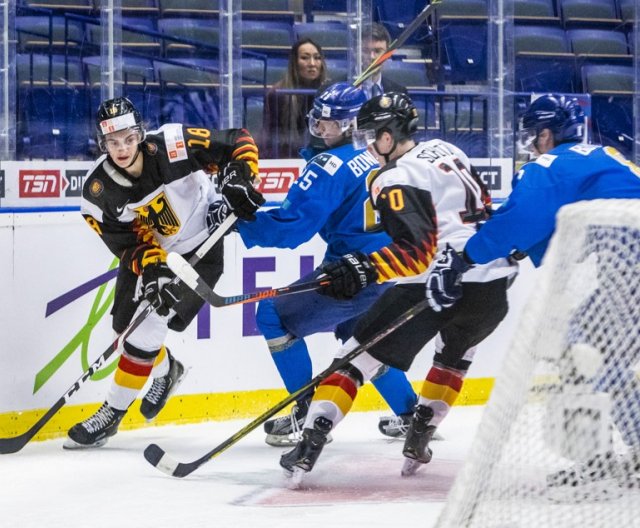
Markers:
356,481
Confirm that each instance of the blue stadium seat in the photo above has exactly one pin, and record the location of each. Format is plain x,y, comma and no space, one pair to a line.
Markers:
337,69
135,39
331,36
544,61
83,7
50,34
589,13
535,12
133,8
412,75
266,36
464,51
599,45
193,8
198,30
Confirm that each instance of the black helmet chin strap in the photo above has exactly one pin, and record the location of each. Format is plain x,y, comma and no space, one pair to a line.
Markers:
135,158
386,156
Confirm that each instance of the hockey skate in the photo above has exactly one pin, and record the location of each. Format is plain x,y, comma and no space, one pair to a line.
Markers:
416,445
302,458
161,389
286,431
397,426
95,430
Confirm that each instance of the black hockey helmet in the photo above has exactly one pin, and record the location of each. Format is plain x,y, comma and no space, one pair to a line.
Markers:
115,115
393,112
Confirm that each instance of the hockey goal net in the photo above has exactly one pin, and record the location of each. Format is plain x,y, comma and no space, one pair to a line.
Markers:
559,441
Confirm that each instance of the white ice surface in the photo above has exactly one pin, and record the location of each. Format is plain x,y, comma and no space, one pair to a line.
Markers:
356,481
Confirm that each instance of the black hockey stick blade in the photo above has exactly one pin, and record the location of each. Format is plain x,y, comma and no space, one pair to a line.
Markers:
159,458
16,443
402,38
185,272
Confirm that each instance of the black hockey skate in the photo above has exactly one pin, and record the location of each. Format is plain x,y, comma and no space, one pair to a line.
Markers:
95,430
303,457
416,445
161,389
287,430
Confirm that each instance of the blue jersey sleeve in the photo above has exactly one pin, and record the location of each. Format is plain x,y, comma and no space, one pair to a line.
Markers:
525,222
304,211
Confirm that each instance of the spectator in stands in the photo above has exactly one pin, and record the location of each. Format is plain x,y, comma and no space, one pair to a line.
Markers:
373,47
285,124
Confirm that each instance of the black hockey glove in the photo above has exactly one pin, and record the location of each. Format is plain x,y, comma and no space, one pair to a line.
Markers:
444,282
156,288
217,213
348,276
236,186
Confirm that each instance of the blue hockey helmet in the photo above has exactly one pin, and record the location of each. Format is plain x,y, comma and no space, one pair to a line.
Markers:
339,102
560,114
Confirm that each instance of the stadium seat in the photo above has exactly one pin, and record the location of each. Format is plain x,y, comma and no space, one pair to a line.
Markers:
323,10
83,7
253,117
192,8
136,71
188,72
460,9
544,61
337,69
136,38
599,44
266,36
583,13
413,75
331,36
201,31
535,12
463,48
133,8
255,71
48,33
627,11
41,70
608,79
268,9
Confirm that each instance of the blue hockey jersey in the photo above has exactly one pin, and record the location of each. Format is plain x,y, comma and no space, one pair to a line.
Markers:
329,198
569,173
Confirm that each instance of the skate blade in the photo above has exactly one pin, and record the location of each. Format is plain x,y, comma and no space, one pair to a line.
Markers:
287,440
72,444
410,467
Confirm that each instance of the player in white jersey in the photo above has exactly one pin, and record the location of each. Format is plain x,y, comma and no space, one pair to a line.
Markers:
149,194
430,201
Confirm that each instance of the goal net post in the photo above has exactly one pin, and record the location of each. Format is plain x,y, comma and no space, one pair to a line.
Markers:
559,440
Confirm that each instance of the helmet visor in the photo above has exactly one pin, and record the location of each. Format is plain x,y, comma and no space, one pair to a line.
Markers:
328,128
526,139
363,138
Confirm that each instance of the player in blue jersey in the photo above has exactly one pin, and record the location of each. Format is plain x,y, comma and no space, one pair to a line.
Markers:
329,198
565,171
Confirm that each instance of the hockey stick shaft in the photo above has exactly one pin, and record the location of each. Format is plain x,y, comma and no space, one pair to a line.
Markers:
190,277
398,42
16,443
157,457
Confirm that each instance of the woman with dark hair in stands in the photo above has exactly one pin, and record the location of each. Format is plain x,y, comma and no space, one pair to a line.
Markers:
285,124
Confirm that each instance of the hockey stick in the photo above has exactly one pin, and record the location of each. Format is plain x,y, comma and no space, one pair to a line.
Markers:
16,443
157,457
185,272
393,46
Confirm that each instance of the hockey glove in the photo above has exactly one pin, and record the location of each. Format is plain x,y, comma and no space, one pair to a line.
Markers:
156,288
348,276
217,213
444,282
238,192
